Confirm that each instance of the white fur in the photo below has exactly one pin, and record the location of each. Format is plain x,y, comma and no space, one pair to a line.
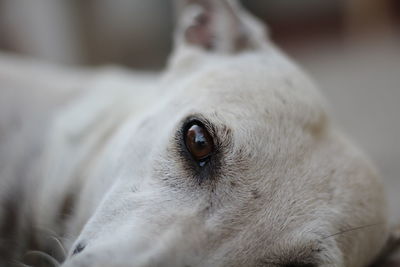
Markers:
288,180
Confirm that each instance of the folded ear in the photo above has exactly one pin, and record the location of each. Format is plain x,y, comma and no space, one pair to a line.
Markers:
218,25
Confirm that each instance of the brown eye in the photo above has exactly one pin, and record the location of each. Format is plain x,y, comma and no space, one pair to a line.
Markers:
199,142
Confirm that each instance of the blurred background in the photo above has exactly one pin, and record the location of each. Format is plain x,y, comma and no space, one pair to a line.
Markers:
350,47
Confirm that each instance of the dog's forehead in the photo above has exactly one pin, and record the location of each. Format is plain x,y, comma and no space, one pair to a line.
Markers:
259,89
258,78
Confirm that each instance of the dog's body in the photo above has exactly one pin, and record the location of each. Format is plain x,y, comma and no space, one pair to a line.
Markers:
106,169
70,122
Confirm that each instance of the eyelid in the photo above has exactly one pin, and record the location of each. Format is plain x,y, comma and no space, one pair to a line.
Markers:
211,129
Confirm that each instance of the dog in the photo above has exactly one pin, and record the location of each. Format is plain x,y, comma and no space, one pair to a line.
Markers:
228,158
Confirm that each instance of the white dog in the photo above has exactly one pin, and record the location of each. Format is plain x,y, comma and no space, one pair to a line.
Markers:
228,159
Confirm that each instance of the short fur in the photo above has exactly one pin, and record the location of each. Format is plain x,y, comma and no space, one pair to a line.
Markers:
103,167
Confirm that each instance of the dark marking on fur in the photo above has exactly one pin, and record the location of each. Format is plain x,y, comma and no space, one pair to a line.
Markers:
79,248
255,193
65,211
134,189
67,207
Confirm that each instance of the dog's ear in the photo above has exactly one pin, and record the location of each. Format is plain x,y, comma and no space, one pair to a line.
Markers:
390,255
217,26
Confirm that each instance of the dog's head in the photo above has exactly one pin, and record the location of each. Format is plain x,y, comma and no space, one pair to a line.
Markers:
236,164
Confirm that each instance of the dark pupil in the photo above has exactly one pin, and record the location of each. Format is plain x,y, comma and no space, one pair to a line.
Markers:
198,142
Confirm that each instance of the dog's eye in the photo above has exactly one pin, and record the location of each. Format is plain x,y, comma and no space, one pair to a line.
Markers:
199,142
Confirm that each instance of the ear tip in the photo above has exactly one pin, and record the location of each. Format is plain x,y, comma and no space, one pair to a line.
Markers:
218,25
181,4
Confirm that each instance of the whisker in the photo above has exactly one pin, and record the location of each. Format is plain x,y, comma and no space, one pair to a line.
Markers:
45,256
59,248
352,229
60,245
